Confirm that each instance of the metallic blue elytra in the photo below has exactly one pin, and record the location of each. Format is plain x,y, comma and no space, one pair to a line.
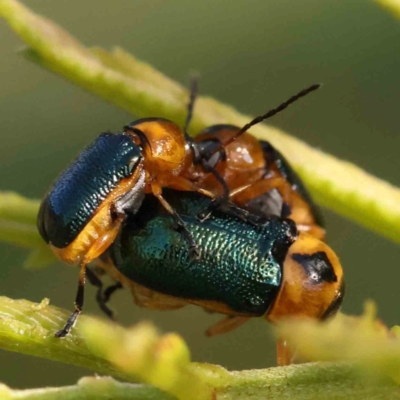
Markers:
84,185
240,264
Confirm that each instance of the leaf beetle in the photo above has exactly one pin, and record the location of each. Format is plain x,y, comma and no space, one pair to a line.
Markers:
244,270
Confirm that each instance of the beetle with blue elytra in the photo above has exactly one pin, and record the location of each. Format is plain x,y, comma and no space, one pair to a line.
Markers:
86,207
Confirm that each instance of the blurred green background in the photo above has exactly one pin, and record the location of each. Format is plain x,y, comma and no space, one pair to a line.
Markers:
251,54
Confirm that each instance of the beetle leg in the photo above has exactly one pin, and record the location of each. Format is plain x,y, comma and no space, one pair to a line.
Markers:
79,300
298,210
243,195
246,193
228,207
102,297
225,325
95,251
193,248
293,206
109,291
284,356
218,177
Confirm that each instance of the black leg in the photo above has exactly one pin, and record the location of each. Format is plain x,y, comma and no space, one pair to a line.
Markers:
286,210
79,300
100,296
181,227
110,291
218,177
216,202
223,204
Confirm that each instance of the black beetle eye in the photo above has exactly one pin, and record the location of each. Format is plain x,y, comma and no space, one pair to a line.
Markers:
205,150
214,159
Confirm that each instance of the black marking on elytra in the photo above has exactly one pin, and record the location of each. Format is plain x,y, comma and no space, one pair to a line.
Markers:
280,248
336,303
317,267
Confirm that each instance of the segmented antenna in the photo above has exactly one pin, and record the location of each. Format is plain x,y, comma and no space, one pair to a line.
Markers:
269,114
194,80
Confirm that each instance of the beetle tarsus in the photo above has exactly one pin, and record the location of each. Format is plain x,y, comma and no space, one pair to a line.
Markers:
79,300
69,325
194,253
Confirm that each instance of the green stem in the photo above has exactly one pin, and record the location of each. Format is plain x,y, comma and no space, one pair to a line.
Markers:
306,382
89,388
140,352
29,328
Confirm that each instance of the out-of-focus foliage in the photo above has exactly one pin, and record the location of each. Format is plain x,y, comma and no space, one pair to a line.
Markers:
140,352
137,87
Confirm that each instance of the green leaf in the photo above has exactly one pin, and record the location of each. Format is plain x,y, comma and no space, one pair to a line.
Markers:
137,87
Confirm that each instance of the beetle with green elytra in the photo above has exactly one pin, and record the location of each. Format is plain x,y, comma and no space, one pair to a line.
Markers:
244,270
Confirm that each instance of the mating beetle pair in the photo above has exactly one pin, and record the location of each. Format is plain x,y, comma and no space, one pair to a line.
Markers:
227,187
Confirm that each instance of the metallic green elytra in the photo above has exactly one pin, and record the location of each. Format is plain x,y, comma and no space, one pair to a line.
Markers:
240,265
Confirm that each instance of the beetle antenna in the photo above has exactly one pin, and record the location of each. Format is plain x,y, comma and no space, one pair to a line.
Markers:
194,81
269,114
